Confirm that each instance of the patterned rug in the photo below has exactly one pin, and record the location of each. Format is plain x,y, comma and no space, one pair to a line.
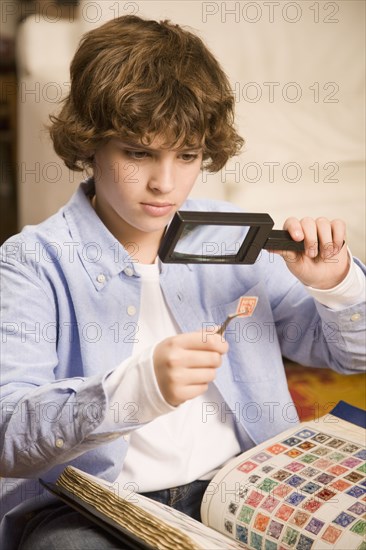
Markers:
316,391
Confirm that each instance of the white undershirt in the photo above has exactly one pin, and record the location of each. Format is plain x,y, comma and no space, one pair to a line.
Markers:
187,443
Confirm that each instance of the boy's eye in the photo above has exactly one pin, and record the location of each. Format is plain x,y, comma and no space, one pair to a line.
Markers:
137,155
189,157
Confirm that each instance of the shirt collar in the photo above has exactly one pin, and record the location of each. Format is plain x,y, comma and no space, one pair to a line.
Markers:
102,256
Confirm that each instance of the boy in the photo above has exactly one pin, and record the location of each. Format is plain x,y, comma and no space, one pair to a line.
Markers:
105,362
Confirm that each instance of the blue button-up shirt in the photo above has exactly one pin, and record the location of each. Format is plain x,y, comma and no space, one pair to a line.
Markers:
70,305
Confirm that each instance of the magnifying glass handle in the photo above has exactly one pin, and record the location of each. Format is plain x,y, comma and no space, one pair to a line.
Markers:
280,239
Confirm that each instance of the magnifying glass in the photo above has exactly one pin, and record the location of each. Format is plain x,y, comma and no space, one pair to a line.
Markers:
222,238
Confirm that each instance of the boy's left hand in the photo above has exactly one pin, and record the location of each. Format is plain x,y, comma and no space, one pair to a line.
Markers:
324,263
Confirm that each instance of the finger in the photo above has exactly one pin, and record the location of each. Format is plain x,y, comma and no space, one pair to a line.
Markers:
338,234
201,359
309,228
198,376
325,238
293,226
205,340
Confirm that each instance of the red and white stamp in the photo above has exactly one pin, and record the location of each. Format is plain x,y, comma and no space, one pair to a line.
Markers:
247,305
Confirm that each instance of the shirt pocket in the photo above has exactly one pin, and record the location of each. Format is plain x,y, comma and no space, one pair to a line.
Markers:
254,352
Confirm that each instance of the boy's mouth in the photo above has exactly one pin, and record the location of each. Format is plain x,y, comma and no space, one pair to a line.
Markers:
157,208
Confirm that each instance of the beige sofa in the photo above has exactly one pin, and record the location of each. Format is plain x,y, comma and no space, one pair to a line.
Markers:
297,73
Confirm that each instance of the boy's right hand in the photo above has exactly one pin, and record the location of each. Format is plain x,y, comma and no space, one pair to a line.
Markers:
185,364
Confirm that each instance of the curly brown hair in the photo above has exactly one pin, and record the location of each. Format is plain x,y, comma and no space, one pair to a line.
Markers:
135,79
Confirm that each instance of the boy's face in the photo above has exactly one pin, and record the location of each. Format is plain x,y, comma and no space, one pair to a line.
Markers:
138,188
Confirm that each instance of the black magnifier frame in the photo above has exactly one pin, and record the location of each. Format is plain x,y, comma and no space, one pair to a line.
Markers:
259,235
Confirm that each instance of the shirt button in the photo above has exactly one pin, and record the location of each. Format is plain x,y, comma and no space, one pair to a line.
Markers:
101,278
59,443
131,310
356,317
129,271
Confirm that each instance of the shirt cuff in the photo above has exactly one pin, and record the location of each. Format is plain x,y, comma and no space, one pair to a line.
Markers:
349,292
133,395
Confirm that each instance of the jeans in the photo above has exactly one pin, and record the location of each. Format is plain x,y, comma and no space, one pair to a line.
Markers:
59,527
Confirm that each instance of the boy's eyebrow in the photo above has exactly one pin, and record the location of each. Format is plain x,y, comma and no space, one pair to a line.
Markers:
140,147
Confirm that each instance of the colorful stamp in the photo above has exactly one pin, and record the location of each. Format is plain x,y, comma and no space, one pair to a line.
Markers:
337,457
242,534
270,545
282,490
325,494
247,305
261,457
284,512
254,499
299,518
246,514
343,519
362,468
290,537
335,443
358,508
295,499
308,459
305,543
294,466
267,485
293,453
337,470
356,491
276,449
274,529
266,469
359,528
261,522
305,433
340,485
295,481
361,454
310,487
256,541
350,448
314,526
291,441
270,504
247,466
331,534
351,462
324,478
321,438
323,463
311,505
306,445
353,477
309,472
321,451
281,475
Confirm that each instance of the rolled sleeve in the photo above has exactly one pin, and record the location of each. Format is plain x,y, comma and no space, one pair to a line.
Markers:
134,396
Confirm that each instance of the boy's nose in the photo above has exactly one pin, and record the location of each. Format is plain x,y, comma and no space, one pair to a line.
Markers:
162,178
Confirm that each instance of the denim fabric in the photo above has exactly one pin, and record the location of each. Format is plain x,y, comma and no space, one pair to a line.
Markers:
61,528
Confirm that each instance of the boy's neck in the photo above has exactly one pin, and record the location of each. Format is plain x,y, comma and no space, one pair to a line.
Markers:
142,247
